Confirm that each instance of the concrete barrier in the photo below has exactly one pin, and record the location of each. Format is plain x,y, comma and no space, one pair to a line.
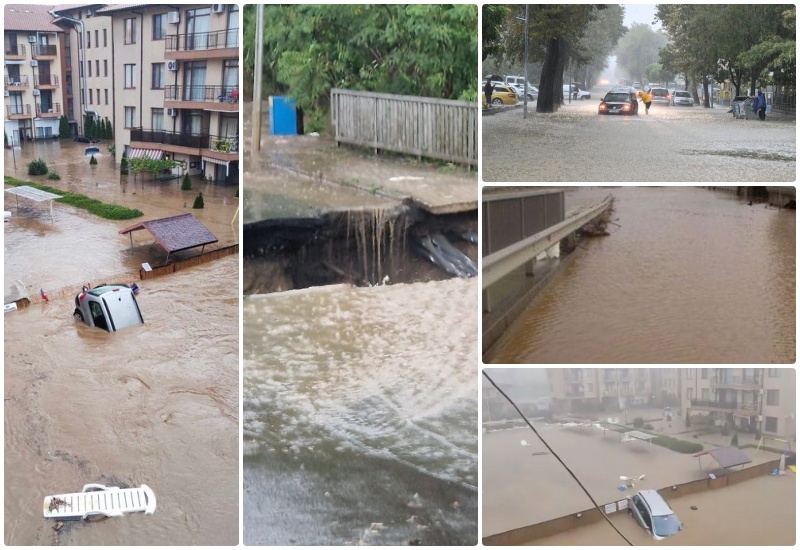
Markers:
551,527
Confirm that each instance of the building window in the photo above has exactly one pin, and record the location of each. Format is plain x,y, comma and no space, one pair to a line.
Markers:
130,76
159,76
91,96
97,67
105,67
106,91
159,26
130,31
589,388
89,64
105,38
704,374
771,424
157,120
97,38
772,373
130,117
772,398
689,374
688,393
704,394
98,96
88,40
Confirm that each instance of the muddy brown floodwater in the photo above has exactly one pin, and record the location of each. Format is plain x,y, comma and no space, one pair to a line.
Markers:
687,276
156,404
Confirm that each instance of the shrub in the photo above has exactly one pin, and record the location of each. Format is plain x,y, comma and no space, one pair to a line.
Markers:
64,131
725,430
37,167
735,440
53,176
6,139
649,427
123,165
198,201
638,422
93,161
677,445
187,183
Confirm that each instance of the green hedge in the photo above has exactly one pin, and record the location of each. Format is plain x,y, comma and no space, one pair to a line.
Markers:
107,211
677,445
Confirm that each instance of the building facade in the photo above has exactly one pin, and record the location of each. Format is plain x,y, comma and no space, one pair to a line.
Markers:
749,399
34,61
576,390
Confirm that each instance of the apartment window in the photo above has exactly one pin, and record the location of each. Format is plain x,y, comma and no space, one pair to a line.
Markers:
772,398
105,38
130,117
83,98
159,26
97,38
98,96
91,96
67,53
88,39
157,120
704,374
130,76
159,76
689,374
771,424
688,393
105,67
97,67
106,91
130,31
772,373
704,394
589,388
89,64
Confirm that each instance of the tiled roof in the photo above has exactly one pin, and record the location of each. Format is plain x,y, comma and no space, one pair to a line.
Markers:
121,7
176,232
29,17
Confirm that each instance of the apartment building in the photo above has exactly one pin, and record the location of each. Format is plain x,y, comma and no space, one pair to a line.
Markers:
748,398
34,60
574,390
666,386
166,76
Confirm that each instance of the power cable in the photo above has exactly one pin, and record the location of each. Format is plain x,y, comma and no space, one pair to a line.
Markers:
578,481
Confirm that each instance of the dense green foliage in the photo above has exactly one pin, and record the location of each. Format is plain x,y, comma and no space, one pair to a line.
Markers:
186,185
677,445
493,17
123,165
93,161
53,176
638,50
638,422
37,167
64,131
153,166
107,211
423,50
5,143
198,201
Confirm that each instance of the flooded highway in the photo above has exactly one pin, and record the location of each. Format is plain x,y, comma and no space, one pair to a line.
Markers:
687,275
155,404
360,415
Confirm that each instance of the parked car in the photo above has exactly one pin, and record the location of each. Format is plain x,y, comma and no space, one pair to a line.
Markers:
81,139
581,94
109,307
502,94
654,514
533,93
660,95
682,97
637,85
619,101
739,105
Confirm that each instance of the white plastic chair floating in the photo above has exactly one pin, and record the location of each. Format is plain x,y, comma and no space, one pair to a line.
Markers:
98,500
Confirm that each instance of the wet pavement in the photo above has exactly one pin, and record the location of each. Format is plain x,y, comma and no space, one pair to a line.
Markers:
360,415
671,144
156,404
688,275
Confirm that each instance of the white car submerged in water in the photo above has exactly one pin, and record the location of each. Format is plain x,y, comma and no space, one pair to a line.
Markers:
109,307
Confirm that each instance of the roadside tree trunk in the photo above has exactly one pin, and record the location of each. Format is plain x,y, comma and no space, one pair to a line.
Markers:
551,82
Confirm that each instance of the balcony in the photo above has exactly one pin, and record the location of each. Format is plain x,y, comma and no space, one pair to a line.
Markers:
725,406
735,382
203,45
17,82
224,144
15,51
218,98
164,137
18,111
51,111
48,81
41,51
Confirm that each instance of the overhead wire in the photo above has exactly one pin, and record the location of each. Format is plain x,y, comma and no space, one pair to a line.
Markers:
578,481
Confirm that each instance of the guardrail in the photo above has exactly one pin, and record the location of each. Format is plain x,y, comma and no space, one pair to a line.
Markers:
169,138
221,94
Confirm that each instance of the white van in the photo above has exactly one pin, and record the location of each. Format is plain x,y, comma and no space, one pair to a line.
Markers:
109,307
519,82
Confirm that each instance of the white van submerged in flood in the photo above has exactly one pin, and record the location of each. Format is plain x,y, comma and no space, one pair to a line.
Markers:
109,307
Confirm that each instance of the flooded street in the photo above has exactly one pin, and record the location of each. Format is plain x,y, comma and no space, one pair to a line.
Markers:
360,415
687,276
156,404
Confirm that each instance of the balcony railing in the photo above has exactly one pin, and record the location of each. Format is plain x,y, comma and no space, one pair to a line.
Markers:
751,408
40,50
15,49
53,109
735,382
220,94
46,80
202,41
199,141
21,81
223,144
19,109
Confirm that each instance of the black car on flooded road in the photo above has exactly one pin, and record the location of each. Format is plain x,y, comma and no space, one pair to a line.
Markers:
619,101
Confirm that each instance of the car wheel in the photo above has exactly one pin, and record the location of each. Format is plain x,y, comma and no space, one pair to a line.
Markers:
78,315
497,101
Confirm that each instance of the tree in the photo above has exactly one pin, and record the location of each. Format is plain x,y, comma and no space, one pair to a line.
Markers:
93,161
598,42
123,165
64,131
187,183
198,201
657,73
493,17
639,49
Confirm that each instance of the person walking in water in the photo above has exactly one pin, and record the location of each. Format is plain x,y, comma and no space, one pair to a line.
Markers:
760,106
646,99
488,89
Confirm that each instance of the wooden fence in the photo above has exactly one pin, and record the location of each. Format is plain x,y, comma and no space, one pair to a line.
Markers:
441,129
189,262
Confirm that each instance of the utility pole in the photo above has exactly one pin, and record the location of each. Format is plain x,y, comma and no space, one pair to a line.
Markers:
525,70
259,59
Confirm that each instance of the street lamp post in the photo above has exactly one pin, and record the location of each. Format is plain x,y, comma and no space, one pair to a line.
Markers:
525,71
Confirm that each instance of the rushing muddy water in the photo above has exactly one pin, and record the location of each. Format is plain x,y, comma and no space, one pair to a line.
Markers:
360,415
687,276
156,404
